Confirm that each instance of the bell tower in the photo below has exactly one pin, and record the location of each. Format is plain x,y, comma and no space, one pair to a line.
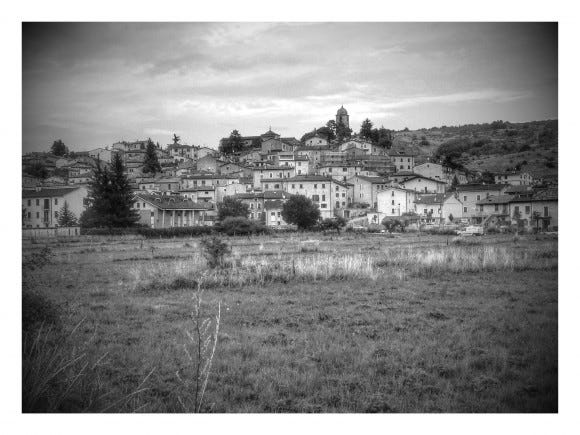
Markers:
342,117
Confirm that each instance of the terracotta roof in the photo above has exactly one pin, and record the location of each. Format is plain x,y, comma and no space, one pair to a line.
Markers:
424,178
436,198
47,192
172,203
480,187
549,194
273,204
374,180
496,199
309,178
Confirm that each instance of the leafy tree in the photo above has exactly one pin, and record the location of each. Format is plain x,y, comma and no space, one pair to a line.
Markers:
487,177
342,131
151,164
366,129
333,224
256,142
176,139
66,218
331,125
37,170
240,226
232,207
300,211
110,198
393,224
58,148
233,144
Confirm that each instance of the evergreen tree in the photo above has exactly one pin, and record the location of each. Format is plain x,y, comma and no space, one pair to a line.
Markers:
110,198
66,218
176,139
151,164
366,129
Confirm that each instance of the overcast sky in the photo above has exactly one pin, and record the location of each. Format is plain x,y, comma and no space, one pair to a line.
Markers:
94,84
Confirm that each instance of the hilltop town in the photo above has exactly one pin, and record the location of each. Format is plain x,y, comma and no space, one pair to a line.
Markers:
426,177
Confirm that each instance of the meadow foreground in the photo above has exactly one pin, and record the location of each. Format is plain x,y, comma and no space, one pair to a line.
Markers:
349,323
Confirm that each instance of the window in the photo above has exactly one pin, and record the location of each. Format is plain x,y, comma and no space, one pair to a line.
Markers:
393,211
279,213
301,187
293,186
138,205
37,215
266,186
273,213
324,186
464,198
316,186
337,204
527,209
393,202
315,198
344,169
276,186
251,206
322,205
55,201
28,203
496,207
323,197
517,208
56,214
478,197
392,193
546,212
29,215
464,209
38,202
424,211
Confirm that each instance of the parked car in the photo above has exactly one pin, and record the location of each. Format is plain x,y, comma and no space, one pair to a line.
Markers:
472,230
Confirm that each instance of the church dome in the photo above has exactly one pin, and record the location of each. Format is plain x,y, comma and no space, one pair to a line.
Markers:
341,111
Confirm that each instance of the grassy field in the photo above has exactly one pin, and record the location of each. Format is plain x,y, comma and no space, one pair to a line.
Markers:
308,323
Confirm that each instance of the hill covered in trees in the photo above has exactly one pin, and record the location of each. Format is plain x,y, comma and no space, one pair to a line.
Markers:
497,146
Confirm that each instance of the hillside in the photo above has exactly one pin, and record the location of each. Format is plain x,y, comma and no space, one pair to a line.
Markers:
490,147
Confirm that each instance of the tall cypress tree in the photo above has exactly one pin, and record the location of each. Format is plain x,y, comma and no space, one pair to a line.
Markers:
110,198
151,164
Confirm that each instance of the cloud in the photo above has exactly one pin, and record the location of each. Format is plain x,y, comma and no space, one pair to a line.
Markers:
95,82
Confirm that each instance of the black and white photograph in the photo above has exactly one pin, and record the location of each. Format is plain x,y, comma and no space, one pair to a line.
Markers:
288,217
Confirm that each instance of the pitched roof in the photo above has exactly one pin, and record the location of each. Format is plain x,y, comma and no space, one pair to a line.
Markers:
480,187
549,194
273,204
309,178
496,199
424,178
436,198
172,203
374,179
47,192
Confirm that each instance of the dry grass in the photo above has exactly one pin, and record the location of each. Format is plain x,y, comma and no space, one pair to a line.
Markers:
366,324
392,264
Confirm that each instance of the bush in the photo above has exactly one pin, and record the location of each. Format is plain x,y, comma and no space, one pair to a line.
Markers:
38,310
332,224
214,251
492,230
441,231
241,226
